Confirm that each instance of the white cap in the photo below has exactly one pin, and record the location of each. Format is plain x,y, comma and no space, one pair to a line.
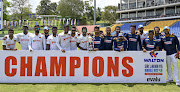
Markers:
120,34
140,26
46,28
166,27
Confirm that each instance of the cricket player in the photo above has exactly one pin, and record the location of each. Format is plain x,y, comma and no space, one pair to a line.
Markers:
149,44
107,41
170,44
134,41
51,40
63,40
45,36
74,39
36,42
10,42
158,37
97,40
82,42
23,38
120,44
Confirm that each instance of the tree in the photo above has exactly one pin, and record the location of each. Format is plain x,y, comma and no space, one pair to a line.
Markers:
109,14
6,4
70,8
53,7
19,7
44,8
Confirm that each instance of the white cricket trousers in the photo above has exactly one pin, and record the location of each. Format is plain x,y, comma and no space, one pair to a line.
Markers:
174,60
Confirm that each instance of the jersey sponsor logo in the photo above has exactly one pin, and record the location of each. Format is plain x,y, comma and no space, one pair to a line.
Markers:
10,44
150,46
132,39
24,39
53,42
107,41
73,41
158,40
96,42
168,42
66,38
84,41
36,40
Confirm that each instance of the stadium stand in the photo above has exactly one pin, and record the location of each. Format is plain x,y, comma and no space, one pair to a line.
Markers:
160,24
126,27
176,29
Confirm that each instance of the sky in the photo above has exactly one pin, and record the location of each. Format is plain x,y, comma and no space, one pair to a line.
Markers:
100,3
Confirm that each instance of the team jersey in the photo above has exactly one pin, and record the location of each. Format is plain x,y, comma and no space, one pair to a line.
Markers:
120,44
52,41
24,39
10,43
84,42
63,41
170,44
107,42
73,42
45,41
159,40
134,42
149,44
97,42
36,42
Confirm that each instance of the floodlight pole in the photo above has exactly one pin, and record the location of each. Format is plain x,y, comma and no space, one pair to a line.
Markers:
94,12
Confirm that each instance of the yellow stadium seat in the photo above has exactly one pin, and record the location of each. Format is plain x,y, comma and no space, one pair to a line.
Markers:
160,24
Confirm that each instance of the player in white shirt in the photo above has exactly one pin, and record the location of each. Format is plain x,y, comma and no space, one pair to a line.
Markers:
83,41
63,40
36,41
10,42
23,38
74,38
51,40
45,36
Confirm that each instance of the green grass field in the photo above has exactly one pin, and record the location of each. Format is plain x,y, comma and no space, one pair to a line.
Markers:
169,87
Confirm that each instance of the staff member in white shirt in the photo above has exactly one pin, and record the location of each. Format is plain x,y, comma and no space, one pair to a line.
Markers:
10,42
23,38
36,41
63,40
51,40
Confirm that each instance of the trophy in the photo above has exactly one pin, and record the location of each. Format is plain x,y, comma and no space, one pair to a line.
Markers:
90,45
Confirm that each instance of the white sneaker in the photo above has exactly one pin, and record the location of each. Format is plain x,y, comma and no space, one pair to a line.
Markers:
169,81
177,83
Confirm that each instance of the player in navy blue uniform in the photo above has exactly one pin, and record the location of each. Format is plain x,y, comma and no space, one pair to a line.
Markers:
107,41
133,40
171,45
149,44
120,44
158,37
97,40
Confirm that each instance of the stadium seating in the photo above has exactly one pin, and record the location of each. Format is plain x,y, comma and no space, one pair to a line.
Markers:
126,27
160,24
176,29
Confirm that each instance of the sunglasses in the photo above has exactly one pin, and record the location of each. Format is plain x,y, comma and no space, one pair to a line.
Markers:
73,30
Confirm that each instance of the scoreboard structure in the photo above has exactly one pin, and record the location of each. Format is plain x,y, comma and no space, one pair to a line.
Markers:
1,14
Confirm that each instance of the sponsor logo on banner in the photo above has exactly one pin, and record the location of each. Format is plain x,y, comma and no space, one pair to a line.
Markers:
153,65
153,79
